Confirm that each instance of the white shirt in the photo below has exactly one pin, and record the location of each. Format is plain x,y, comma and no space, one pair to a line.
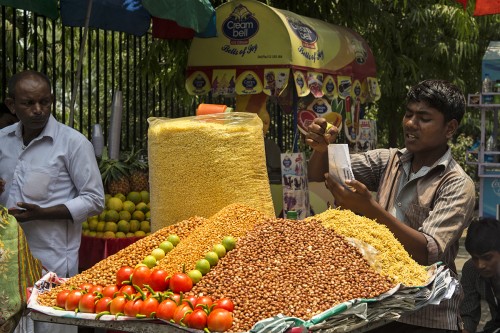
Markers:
57,167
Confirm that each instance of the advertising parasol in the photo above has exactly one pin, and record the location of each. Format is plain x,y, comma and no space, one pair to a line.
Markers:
260,50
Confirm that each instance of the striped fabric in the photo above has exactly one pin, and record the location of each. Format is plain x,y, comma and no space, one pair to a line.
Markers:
437,201
30,269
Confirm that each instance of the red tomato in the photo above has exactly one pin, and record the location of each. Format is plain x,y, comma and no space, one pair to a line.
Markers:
203,301
87,303
166,309
159,280
103,304
95,289
197,319
73,299
123,274
149,306
176,298
110,290
117,304
190,299
141,276
224,303
127,289
86,286
181,314
180,282
219,320
132,307
61,298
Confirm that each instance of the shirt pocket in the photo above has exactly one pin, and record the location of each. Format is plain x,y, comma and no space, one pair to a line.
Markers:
39,183
415,216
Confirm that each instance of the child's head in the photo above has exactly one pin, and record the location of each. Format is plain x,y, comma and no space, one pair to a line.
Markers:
442,95
482,242
483,236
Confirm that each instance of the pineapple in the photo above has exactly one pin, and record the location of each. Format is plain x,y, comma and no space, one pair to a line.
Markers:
114,174
139,175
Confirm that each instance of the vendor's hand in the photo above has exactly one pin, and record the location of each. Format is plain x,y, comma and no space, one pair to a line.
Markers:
26,212
320,134
2,185
355,198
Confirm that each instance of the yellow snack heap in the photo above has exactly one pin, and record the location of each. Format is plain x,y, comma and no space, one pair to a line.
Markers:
392,259
199,165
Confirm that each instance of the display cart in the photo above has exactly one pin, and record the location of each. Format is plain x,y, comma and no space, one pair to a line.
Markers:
151,326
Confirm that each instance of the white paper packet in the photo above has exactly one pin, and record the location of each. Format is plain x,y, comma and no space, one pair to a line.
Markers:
339,162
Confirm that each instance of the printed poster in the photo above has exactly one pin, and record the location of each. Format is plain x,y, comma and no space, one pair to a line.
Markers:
295,185
367,137
490,196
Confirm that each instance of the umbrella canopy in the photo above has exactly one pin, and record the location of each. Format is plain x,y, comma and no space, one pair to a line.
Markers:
171,19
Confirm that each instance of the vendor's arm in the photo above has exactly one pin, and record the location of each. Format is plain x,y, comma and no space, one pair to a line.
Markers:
85,174
361,201
28,212
318,137
470,308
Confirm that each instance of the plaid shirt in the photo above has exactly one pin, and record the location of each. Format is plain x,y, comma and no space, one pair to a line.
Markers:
437,201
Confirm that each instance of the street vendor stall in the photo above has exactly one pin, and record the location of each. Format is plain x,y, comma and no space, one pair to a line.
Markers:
355,279
308,67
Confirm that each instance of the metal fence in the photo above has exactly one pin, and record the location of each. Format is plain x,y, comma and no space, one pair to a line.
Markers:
111,61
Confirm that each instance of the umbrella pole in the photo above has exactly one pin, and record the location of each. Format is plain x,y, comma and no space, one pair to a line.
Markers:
80,64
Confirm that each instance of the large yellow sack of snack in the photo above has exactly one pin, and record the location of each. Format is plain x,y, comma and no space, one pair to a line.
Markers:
199,165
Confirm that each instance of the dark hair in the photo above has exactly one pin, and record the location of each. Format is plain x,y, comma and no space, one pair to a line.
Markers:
483,235
4,109
11,85
442,95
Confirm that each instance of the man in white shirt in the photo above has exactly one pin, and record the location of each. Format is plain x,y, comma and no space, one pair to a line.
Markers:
51,180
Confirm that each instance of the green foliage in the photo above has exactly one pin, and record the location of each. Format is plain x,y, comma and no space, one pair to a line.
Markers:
460,151
459,148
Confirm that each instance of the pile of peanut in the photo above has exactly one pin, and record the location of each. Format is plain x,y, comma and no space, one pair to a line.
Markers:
233,220
295,268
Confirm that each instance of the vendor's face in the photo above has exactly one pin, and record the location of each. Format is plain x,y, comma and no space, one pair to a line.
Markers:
425,130
487,264
31,102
